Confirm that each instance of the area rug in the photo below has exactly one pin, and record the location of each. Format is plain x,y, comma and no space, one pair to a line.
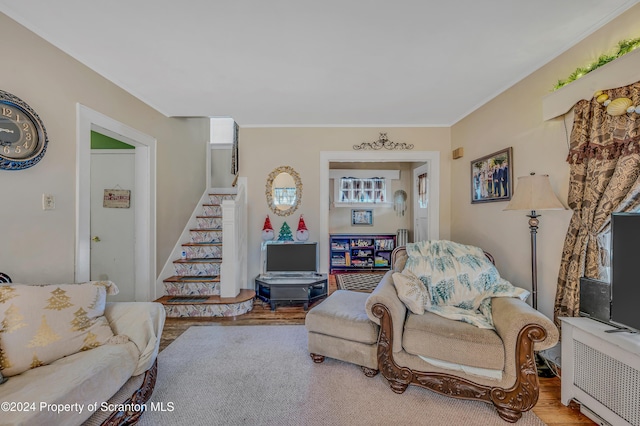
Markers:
365,283
263,375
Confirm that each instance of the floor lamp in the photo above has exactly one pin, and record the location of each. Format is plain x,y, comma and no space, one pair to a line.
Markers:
534,193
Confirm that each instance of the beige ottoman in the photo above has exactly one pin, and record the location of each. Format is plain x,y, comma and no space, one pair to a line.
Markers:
339,328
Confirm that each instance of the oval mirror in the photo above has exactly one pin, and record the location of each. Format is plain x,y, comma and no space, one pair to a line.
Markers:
283,191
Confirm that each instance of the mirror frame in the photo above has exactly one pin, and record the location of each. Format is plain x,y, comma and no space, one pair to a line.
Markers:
269,190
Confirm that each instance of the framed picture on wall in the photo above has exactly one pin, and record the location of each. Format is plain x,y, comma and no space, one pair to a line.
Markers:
362,217
492,177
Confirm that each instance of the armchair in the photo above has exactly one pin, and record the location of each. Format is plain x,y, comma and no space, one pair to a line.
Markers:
458,359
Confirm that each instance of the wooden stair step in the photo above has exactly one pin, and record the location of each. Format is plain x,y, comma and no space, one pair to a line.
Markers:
200,260
206,229
192,278
207,300
208,217
201,244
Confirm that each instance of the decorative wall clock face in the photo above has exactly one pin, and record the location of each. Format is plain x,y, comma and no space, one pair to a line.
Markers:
23,138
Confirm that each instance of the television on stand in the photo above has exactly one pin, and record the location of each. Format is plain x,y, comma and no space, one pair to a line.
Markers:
289,258
617,302
625,270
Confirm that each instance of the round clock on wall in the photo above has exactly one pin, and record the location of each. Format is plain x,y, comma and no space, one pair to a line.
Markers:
23,138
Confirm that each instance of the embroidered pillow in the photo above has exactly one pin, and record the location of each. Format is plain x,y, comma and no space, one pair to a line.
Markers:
411,291
40,324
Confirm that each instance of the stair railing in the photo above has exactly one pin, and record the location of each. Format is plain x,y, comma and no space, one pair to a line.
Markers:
233,271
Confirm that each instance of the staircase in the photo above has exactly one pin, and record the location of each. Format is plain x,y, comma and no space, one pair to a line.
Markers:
194,290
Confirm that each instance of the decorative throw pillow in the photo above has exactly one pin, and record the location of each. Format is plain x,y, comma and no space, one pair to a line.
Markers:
411,291
40,324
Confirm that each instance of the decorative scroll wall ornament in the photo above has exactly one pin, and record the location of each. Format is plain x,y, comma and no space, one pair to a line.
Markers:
383,142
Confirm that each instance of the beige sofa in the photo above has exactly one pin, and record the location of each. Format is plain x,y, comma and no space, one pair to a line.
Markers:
495,366
103,378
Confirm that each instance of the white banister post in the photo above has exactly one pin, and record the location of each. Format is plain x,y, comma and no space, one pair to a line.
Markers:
228,278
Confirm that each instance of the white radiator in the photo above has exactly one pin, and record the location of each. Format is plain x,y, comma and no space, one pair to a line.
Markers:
601,370
402,238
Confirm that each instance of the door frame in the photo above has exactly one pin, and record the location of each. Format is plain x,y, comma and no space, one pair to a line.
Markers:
145,197
326,157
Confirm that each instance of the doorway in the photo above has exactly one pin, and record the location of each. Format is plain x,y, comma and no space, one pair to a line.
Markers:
431,160
144,198
113,221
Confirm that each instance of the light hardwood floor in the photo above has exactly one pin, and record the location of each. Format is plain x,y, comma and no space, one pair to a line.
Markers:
549,408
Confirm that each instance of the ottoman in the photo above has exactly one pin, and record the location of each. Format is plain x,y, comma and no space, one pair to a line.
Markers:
339,328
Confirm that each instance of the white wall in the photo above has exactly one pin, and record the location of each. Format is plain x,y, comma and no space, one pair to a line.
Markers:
264,149
37,246
515,119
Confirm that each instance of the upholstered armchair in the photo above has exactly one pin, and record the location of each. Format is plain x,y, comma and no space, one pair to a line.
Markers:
458,359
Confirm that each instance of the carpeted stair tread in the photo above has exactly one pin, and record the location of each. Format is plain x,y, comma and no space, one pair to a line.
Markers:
201,244
192,278
206,229
208,217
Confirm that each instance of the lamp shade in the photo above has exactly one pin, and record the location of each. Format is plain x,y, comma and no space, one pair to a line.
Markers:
534,192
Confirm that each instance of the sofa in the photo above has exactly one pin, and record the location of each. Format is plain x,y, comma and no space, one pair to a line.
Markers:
380,332
108,366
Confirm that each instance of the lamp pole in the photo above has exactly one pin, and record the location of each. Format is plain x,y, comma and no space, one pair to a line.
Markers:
533,228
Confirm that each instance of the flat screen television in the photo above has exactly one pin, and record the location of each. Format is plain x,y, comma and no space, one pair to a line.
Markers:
290,258
625,269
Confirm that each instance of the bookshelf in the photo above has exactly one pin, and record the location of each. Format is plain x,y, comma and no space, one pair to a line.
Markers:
356,252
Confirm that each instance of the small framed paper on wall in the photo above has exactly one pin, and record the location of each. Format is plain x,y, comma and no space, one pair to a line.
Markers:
362,217
492,177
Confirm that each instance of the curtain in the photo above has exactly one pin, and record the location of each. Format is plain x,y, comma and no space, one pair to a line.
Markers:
604,177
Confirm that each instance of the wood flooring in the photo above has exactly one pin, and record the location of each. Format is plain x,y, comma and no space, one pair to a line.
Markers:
549,408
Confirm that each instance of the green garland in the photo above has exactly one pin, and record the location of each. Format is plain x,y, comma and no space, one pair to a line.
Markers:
624,47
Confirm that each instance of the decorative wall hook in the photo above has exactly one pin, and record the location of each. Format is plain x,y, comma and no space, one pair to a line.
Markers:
383,142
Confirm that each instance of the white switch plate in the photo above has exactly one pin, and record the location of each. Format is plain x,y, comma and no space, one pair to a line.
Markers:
48,202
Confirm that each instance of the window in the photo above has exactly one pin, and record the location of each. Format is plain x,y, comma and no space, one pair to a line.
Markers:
222,130
361,187
423,196
356,190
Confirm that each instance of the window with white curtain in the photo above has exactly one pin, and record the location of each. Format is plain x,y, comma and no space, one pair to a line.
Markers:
360,187
358,190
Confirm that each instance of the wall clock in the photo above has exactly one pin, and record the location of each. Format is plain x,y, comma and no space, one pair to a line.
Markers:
23,138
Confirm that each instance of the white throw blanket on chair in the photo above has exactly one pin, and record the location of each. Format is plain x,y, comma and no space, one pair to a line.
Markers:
460,280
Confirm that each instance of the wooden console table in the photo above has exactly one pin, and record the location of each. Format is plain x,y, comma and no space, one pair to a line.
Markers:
300,289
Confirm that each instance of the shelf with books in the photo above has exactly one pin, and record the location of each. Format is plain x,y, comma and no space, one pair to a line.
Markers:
352,252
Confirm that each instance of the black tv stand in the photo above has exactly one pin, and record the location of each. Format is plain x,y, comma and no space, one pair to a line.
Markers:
293,289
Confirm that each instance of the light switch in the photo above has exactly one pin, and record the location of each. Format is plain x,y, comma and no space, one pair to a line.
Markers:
48,202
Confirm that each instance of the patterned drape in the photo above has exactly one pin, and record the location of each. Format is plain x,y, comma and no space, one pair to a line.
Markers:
604,159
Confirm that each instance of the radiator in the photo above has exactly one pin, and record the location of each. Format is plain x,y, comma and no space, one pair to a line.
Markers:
601,370
402,238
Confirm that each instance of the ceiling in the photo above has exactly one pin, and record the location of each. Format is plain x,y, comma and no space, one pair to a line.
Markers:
316,63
